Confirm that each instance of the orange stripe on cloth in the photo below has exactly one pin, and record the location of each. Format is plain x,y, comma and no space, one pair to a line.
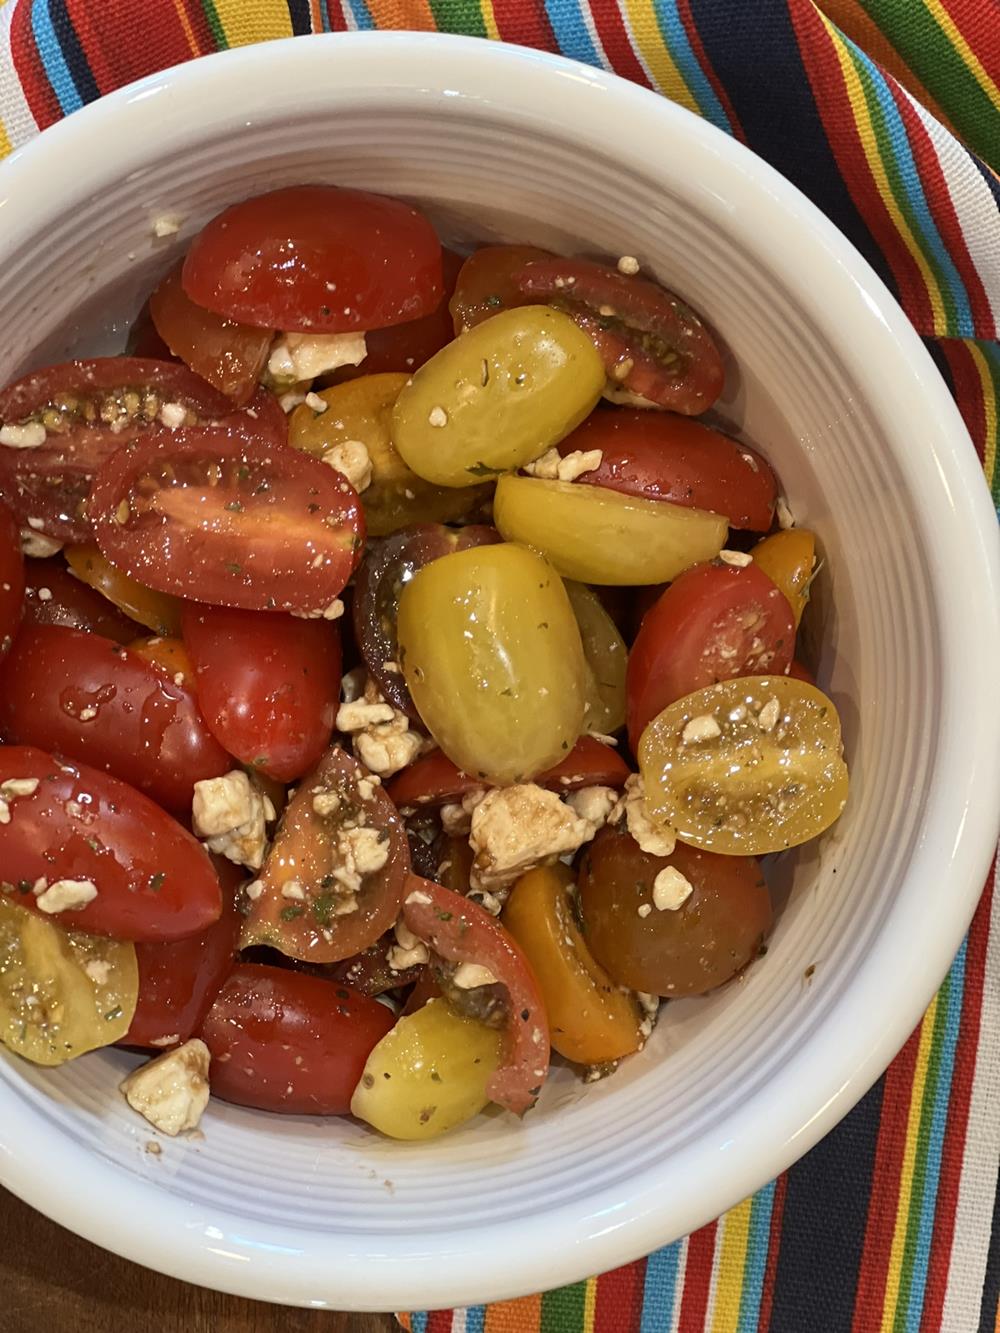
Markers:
521,1316
405,15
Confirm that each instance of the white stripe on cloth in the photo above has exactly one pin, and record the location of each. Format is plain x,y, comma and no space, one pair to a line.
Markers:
977,1186
15,114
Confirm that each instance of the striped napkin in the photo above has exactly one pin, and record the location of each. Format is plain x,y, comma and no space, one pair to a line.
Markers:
887,114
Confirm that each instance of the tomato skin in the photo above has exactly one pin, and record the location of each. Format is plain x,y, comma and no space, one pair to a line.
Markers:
663,456
703,629
486,283
145,730
12,579
168,655
142,605
50,483
462,932
72,604
179,980
214,514
799,671
651,342
142,338
154,880
285,1041
316,258
228,355
268,685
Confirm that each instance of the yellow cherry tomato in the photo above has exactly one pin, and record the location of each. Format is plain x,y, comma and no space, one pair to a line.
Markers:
788,559
599,536
747,766
62,993
428,1074
591,1019
497,397
169,655
491,653
606,657
361,410
156,610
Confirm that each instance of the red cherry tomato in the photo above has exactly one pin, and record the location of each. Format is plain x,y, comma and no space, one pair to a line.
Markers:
285,1041
54,596
314,851
88,698
801,672
268,685
315,258
486,283
404,348
435,780
12,579
713,623
462,932
652,343
154,881
212,514
179,980
90,410
142,338
662,456
369,972
228,355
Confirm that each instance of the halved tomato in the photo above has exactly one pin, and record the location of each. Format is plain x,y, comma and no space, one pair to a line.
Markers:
11,579
212,514
663,456
229,355
316,258
335,875
652,343
713,623
54,596
486,283
148,878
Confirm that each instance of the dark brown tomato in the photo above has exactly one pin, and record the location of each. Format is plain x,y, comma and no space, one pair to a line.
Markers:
268,685
486,283
142,338
715,932
54,596
386,569
334,878
86,697
369,972
652,343
12,579
286,1041
663,456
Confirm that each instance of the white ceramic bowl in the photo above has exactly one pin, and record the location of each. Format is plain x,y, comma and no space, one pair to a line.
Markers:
828,378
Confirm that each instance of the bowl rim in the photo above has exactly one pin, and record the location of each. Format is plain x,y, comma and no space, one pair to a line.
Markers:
223,1251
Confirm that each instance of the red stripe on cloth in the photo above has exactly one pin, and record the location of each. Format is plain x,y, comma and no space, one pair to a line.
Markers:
694,37
615,39
773,1249
194,11
958,1116
439,1321
822,65
618,1306
108,38
889,1150
943,210
976,20
28,65
527,25
968,389
697,1279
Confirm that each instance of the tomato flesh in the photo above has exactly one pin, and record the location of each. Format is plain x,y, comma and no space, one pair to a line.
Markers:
12,579
268,685
154,880
284,1041
211,514
85,697
486,283
316,258
54,596
715,622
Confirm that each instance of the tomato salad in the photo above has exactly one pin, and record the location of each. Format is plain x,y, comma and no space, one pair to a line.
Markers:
398,680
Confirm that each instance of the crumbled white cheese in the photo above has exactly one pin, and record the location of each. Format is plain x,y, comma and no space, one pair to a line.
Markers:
408,951
98,970
614,393
644,909
293,889
168,224
66,895
650,1006
456,816
418,896
671,890
783,514
352,460
289,401
551,466
317,403
173,415
303,356
28,436
230,813
171,1039
767,718
629,265
332,612
467,976
517,828
739,559
489,902
654,838
437,417
380,734
593,803
701,728
87,714
171,1091
546,466
358,852
44,594
36,545
326,803
14,787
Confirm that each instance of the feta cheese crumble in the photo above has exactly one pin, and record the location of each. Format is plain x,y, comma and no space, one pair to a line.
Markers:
738,559
380,734
671,890
66,895
552,467
701,728
654,838
629,265
352,460
28,436
303,356
171,1091
517,828
231,815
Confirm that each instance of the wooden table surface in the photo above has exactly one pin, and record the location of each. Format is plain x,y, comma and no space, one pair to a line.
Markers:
50,1279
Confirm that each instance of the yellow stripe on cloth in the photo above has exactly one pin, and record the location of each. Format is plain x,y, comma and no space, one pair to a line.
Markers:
730,1262
245,23
969,58
641,16
990,410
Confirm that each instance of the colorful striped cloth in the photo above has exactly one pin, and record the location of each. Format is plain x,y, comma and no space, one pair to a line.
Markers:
887,114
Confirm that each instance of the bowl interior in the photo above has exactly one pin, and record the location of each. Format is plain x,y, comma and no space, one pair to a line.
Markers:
682,1130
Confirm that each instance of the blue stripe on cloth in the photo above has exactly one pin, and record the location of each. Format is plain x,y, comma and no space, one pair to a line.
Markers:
755,1265
660,1289
419,1320
675,36
475,1319
50,52
362,14
571,32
